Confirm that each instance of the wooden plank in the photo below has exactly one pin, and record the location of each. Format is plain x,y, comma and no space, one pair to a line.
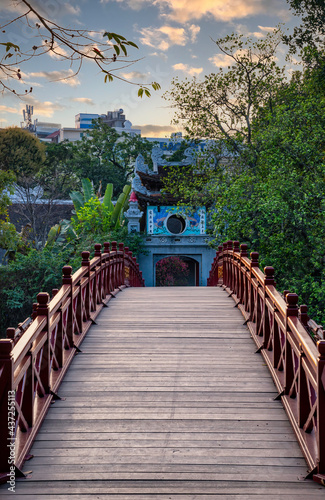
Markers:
165,442
153,496
163,459
170,487
124,437
169,425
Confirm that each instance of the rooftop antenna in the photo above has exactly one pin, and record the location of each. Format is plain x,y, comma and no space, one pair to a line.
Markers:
27,114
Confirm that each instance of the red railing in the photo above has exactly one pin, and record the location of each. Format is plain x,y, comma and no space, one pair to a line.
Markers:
280,330
33,362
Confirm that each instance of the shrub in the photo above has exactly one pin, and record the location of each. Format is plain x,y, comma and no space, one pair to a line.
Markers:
171,271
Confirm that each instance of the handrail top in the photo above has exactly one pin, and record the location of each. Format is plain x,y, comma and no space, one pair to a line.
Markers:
307,345
25,342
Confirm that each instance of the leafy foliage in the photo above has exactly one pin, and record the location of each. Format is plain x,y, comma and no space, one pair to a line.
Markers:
21,153
224,105
104,156
308,38
266,186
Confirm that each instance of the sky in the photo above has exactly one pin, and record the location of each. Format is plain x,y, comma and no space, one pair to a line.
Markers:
175,38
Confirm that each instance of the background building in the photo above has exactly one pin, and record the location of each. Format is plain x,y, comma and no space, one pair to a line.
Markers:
170,230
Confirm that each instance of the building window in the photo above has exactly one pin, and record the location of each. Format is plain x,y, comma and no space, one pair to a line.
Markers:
176,224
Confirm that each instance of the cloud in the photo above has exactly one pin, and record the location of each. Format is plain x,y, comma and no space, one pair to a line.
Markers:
8,109
97,35
46,108
51,9
71,9
194,31
57,52
183,11
187,69
221,60
221,10
268,29
84,100
224,61
67,77
159,54
164,37
156,130
135,75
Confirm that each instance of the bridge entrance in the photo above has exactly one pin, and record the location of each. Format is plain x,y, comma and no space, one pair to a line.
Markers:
177,270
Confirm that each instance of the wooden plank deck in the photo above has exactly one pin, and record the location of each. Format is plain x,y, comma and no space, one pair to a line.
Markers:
167,401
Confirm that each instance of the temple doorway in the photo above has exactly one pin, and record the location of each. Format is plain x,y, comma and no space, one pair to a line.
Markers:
177,270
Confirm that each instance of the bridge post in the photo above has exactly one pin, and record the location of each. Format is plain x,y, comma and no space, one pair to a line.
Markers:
7,404
236,269
114,266
268,281
131,268
122,266
243,277
251,302
291,311
10,333
107,273
34,313
230,271
320,476
99,277
68,327
86,263
303,314
44,369
127,267
224,264
218,274
138,273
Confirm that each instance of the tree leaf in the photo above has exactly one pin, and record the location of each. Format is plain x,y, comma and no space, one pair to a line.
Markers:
78,199
107,200
88,189
124,50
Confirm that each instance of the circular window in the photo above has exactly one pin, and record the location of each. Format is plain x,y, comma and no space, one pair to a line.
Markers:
176,224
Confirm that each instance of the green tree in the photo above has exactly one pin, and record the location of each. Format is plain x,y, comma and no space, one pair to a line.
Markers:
9,239
269,190
223,106
105,156
278,208
21,153
221,109
308,38
57,176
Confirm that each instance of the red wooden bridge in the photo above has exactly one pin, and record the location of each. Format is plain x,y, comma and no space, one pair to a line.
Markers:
163,395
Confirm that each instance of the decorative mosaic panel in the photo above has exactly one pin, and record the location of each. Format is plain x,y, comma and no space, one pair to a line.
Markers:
157,220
